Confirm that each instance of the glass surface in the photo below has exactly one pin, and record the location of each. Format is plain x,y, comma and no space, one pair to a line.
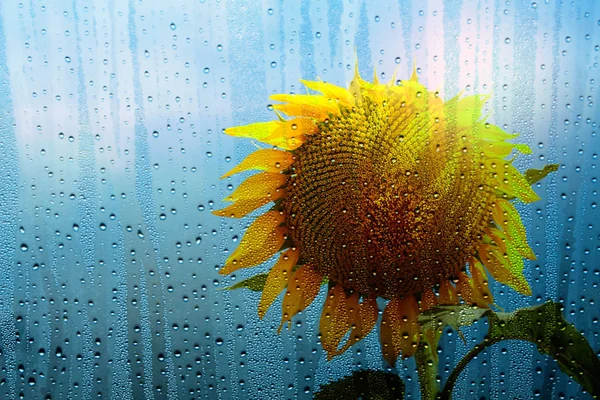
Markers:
111,149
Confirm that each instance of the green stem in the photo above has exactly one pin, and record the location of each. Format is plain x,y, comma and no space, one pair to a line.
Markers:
427,369
447,391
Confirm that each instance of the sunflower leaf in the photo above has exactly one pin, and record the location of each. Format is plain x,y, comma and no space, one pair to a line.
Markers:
255,283
364,384
546,327
533,175
437,318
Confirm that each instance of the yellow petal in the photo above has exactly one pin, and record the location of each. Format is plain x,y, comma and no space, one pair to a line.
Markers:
268,160
496,149
516,266
306,105
447,293
242,208
481,289
498,237
277,279
334,322
302,289
464,289
413,76
488,131
260,185
260,242
258,131
254,192
505,268
392,81
292,133
375,90
522,148
501,149
507,217
510,181
428,300
288,135
468,110
362,317
355,85
412,93
331,91
400,329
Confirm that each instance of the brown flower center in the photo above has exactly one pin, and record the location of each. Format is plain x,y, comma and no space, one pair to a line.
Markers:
388,199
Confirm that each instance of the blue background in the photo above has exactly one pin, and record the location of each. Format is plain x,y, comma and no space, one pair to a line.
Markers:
111,145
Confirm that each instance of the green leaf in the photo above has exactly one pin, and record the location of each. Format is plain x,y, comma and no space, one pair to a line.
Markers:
534,175
255,283
364,384
546,327
437,318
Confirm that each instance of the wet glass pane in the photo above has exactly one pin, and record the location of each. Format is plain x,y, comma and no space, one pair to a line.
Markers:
398,209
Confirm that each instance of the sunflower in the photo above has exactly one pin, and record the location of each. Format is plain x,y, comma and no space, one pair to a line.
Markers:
381,191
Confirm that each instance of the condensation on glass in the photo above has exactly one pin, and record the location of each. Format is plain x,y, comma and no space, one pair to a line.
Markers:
111,145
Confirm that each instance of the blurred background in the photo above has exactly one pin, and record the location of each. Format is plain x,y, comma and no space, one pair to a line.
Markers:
111,148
